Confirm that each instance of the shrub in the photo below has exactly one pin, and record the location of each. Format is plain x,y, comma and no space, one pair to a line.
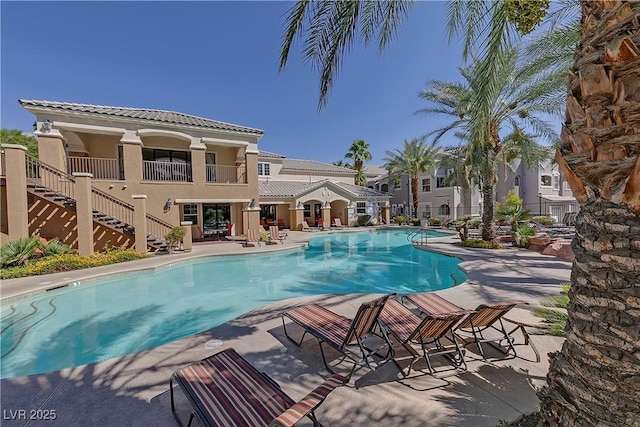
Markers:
479,243
364,220
415,221
400,219
18,252
522,235
264,236
54,247
174,237
544,220
68,262
435,221
475,223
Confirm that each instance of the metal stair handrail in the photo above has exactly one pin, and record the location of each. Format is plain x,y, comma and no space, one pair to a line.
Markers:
64,184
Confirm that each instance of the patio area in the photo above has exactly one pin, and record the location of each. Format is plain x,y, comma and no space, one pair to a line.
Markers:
134,389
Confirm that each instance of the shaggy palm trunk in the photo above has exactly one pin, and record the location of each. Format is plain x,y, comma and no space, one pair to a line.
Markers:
414,196
595,379
487,213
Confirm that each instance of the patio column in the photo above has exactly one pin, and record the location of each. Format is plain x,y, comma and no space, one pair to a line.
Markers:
326,216
296,217
251,217
132,156
386,213
140,221
84,212
16,191
198,168
51,148
187,241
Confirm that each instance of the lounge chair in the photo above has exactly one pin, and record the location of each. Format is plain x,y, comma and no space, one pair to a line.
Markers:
226,390
433,334
305,227
280,223
253,238
337,223
274,235
484,318
345,335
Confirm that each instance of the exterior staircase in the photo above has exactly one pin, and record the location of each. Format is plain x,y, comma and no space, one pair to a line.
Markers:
57,187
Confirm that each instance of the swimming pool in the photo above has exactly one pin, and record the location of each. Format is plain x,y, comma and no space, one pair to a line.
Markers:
109,317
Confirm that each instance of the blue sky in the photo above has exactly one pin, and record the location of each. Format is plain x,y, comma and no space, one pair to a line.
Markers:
220,60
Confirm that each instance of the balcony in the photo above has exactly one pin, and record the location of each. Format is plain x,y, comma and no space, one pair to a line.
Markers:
100,168
166,171
226,174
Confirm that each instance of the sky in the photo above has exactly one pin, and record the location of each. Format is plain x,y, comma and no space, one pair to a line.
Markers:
219,60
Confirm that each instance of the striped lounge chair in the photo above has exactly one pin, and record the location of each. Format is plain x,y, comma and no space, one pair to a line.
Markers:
433,334
345,335
484,318
226,390
253,238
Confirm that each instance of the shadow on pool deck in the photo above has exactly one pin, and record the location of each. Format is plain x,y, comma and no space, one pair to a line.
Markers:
133,389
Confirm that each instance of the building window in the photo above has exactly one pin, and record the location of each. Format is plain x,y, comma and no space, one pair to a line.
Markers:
444,210
215,217
556,182
307,211
545,180
426,211
516,181
426,185
440,182
384,188
190,213
361,208
264,169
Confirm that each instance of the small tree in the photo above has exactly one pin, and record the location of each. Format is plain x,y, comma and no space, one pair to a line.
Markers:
511,211
174,237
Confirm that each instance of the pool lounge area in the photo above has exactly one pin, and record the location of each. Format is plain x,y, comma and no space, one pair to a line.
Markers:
133,389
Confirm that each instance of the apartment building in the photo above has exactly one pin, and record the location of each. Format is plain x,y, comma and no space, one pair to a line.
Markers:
114,176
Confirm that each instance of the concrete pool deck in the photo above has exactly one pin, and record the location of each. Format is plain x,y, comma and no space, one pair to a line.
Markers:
134,389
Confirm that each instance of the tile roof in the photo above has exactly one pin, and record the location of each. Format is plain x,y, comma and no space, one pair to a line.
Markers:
147,114
314,166
360,191
271,188
267,154
374,170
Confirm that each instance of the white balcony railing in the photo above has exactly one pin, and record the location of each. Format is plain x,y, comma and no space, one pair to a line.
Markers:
100,168
166,171
226,174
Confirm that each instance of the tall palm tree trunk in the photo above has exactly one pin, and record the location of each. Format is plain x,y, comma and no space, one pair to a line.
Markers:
414,195
595,379
487,212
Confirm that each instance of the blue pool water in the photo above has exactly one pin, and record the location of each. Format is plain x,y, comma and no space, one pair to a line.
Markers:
123,314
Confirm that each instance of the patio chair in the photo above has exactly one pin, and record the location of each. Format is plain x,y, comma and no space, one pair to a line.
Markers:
274,235
337,223
253,238
305,227
347,336
280,223
226,390
196,232
484,318
433,334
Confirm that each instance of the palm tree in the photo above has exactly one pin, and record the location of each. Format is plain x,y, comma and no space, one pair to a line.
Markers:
594,379
521,96
342,164
415,159
359,153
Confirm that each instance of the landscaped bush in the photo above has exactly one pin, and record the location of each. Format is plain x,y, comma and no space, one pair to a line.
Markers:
18,252
544,220
364,220
521,236
475,223
400,219
174,237
435,221
479,243
68,262
415,221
